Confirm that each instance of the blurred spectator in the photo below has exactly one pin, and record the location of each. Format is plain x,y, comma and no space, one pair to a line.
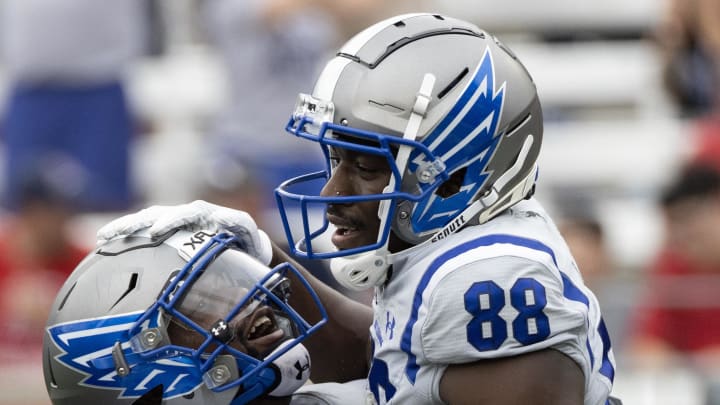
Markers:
65,61
579,223
36,253
679,319
705,142
586,239
272,49
584,233
689,40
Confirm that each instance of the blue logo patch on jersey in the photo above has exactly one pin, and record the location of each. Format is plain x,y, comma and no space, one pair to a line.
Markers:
378,333
390,325
87,348
466,137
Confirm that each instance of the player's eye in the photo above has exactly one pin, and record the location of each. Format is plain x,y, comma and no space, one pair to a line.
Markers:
366,168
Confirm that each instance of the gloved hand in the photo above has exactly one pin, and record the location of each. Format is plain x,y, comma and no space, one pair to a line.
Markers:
193,216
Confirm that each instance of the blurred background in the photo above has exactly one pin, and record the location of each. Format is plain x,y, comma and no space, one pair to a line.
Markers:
107,107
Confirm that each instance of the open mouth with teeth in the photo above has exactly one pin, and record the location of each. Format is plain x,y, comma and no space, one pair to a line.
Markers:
344,231
347,235
260,332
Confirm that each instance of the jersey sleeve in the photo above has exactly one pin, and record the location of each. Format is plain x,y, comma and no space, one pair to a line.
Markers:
499,307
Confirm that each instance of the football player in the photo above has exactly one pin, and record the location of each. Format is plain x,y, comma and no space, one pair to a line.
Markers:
431,129
187,318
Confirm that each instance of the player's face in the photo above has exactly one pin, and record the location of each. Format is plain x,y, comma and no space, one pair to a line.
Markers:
255,331
355,173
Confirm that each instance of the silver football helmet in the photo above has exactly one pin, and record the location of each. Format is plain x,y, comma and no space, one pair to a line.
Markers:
439,98
188,318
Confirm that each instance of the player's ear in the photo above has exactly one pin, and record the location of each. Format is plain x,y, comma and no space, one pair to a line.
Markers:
452,185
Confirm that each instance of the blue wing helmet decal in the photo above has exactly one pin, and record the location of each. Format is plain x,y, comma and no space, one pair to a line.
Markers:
466,137
85,345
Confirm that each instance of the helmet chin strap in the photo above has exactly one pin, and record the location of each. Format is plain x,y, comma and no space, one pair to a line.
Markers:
281,378
368,269
293,370
486,206
490,199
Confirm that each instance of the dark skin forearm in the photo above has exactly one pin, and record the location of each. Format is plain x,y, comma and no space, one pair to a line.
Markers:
545,377
338,349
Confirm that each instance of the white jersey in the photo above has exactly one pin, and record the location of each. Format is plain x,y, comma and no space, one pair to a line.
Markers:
350,393
503,288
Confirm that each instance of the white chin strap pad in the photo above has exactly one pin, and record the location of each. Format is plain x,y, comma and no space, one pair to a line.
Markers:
360,272
294,369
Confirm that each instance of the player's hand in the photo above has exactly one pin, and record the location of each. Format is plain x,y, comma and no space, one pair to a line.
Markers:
193,216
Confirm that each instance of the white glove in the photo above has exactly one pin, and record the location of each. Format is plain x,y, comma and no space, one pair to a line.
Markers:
194,216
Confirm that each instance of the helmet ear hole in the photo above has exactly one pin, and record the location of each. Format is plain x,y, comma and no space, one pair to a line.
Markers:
452,186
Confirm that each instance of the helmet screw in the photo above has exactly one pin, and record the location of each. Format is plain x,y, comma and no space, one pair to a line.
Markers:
404,215
344,122
425,176
150,338
378,263
220,374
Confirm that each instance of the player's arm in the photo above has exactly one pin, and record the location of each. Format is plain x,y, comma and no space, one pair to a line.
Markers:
543,377
338,349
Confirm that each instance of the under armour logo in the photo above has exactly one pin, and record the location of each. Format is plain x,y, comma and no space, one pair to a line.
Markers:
221,331
389,325
302,367
219,328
